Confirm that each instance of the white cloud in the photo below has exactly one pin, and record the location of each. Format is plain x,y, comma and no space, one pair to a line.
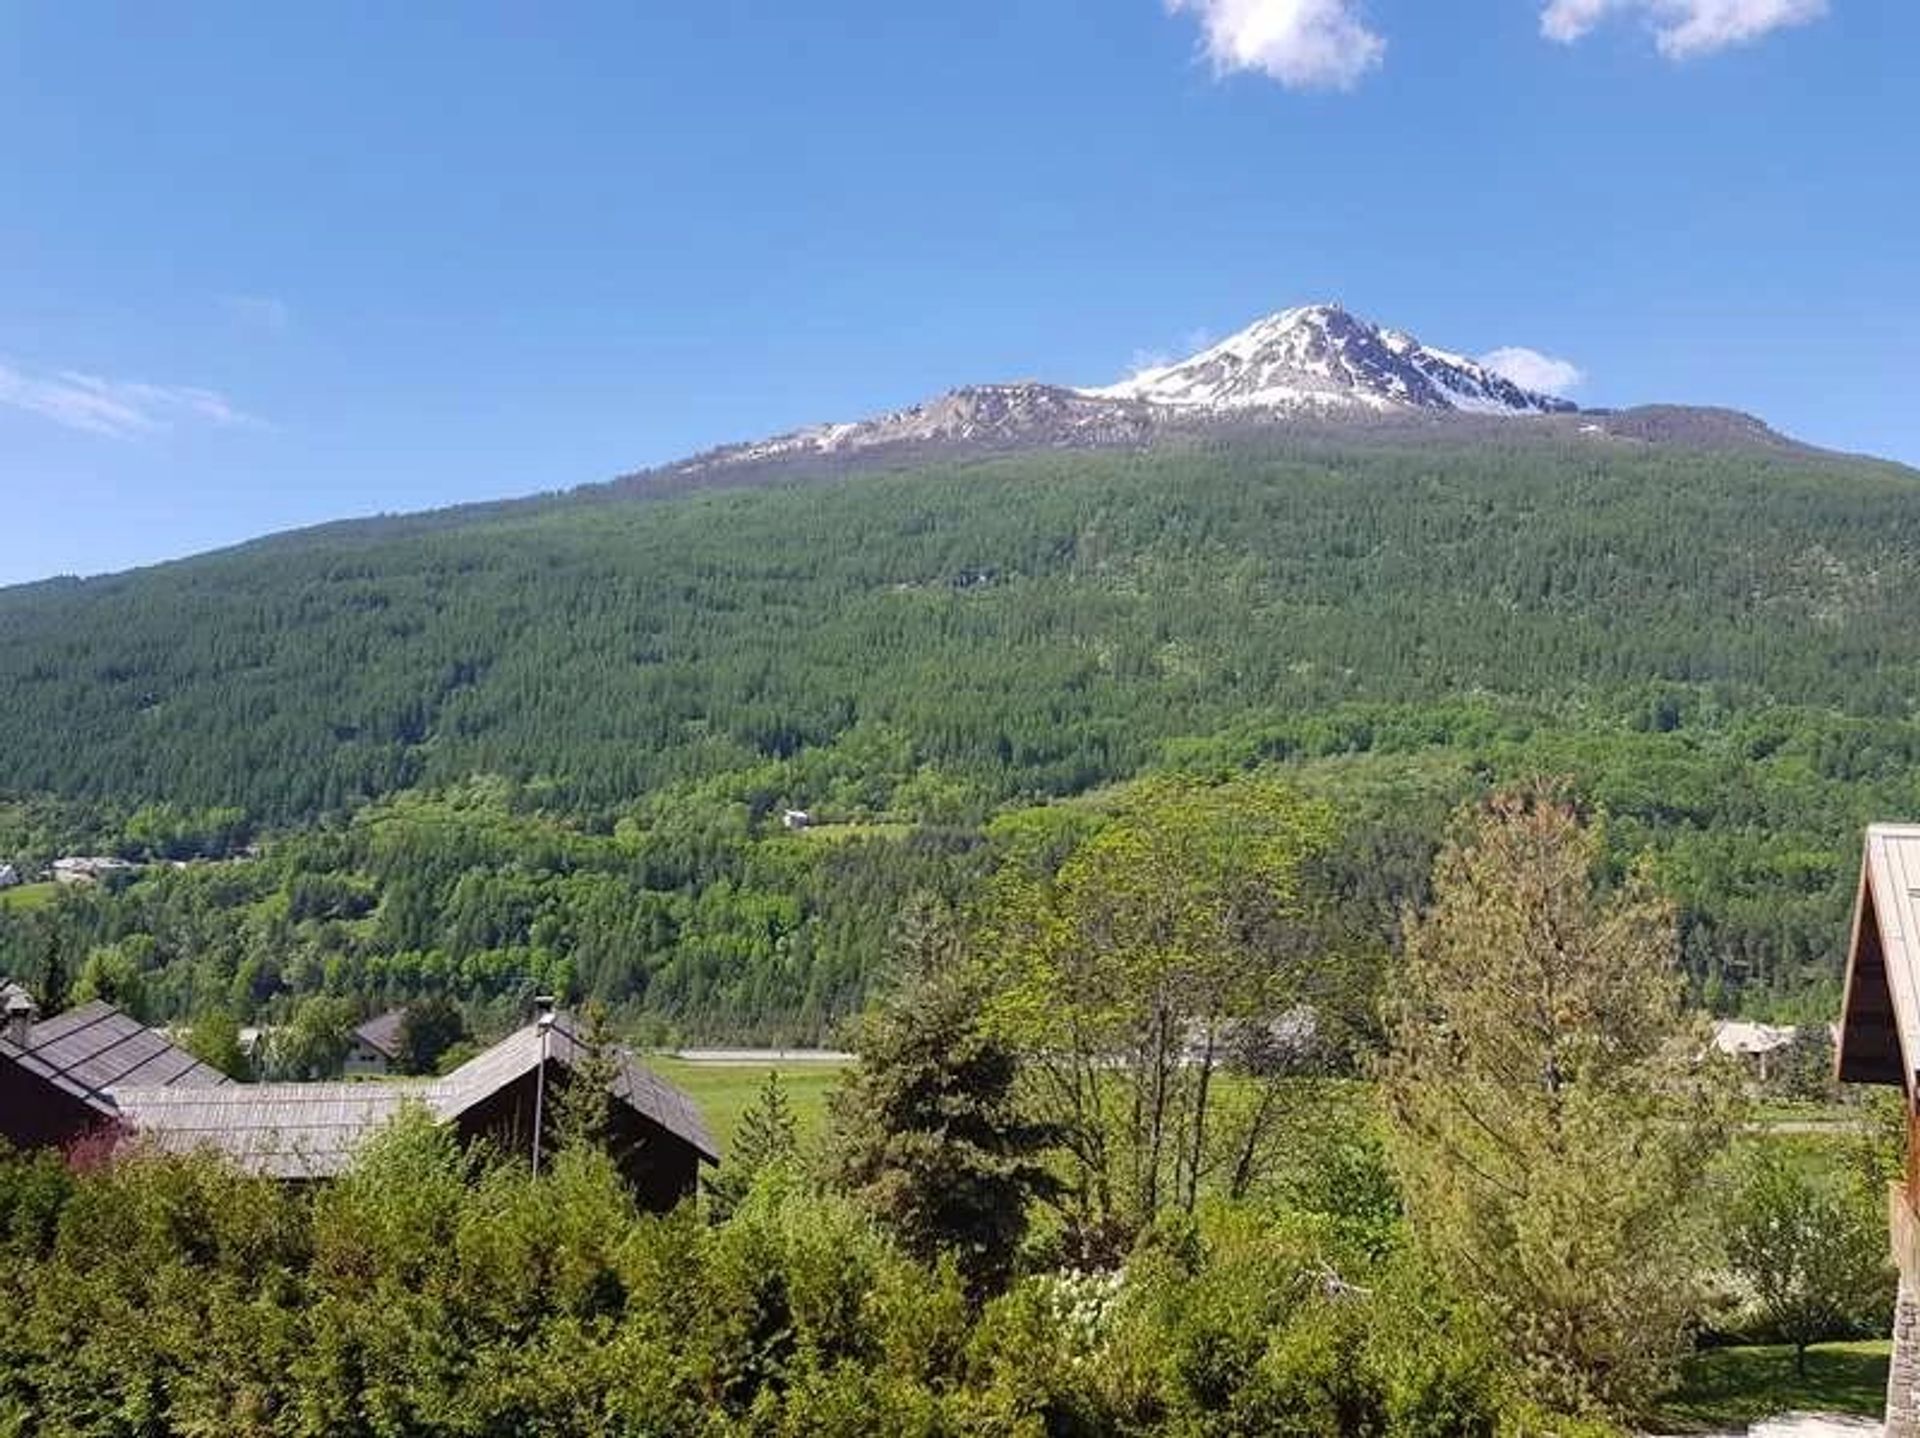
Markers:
1683,28
1304,44
262,313
1145,360
1532,370
120,409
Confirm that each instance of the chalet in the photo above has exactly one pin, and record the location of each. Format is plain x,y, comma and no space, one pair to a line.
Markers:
9,877
57,1075
505,1097
375,1047
1880,1044
95,1070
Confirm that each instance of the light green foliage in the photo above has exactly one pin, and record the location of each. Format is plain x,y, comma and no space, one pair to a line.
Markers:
117,974
1809,1246
1553,1119
214,1039
313,1043
1178,941
766,1137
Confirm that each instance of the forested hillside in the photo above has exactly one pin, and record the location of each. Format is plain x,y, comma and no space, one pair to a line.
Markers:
1715,644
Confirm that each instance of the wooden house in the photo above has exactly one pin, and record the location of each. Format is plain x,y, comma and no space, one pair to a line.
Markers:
58,1075
1879,1043
505,1097
375,1046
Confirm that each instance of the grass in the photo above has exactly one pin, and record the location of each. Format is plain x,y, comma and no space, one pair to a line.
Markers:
29,896
1724,1388
725,1091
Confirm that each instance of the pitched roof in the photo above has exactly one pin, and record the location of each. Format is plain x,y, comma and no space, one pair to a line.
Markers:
90,1049
279,1130
1880,1015
382,1034
312,1130
633,1082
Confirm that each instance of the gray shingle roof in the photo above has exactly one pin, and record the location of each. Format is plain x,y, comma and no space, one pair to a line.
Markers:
95,1047
280,1130
382,1034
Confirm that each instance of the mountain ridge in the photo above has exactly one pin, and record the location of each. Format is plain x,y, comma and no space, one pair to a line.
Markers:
1310,369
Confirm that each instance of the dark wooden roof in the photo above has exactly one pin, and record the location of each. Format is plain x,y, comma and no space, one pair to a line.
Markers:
382,1034
1880,1015
312,1130
90,1049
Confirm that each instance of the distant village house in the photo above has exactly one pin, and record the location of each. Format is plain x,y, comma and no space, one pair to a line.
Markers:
9,876
374,1050
80,869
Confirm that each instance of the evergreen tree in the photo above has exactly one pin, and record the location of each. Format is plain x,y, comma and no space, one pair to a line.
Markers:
428,1028
1552,1115
767,1137
926,1133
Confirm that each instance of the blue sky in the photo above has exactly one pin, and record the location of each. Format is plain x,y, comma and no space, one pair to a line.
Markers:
266,265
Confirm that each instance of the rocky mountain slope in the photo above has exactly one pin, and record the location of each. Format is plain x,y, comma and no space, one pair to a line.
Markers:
1314,364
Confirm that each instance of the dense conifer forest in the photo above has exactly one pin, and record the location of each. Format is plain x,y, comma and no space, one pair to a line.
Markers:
553,743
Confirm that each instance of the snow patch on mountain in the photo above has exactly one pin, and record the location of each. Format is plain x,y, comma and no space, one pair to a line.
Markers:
1320,357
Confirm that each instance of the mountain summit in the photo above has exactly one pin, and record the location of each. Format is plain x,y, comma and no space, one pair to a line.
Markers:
1320,357
1316,363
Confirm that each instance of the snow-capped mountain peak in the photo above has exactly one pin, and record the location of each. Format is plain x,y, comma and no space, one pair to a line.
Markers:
1313,364
1320,357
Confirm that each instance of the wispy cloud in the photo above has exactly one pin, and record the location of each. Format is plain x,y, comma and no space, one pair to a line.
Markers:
1304,44
120,409
1532,370
1683,28
261,313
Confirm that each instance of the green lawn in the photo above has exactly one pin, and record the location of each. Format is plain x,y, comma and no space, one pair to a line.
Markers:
724,1091
28,896
1725,1388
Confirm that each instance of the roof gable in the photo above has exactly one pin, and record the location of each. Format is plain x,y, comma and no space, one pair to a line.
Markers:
90,1049
1880,1014
382,1034
633,1083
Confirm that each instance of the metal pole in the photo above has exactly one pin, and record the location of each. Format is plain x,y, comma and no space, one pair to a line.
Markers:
543,1007
539,1101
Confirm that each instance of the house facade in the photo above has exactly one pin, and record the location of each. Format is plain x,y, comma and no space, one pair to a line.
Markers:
1879,1043
375,1047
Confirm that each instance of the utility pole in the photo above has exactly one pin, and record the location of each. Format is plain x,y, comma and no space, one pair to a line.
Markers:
543,1021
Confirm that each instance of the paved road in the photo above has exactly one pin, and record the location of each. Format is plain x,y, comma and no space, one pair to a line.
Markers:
762,1057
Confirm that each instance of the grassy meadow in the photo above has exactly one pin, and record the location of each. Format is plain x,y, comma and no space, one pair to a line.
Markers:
724,1091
